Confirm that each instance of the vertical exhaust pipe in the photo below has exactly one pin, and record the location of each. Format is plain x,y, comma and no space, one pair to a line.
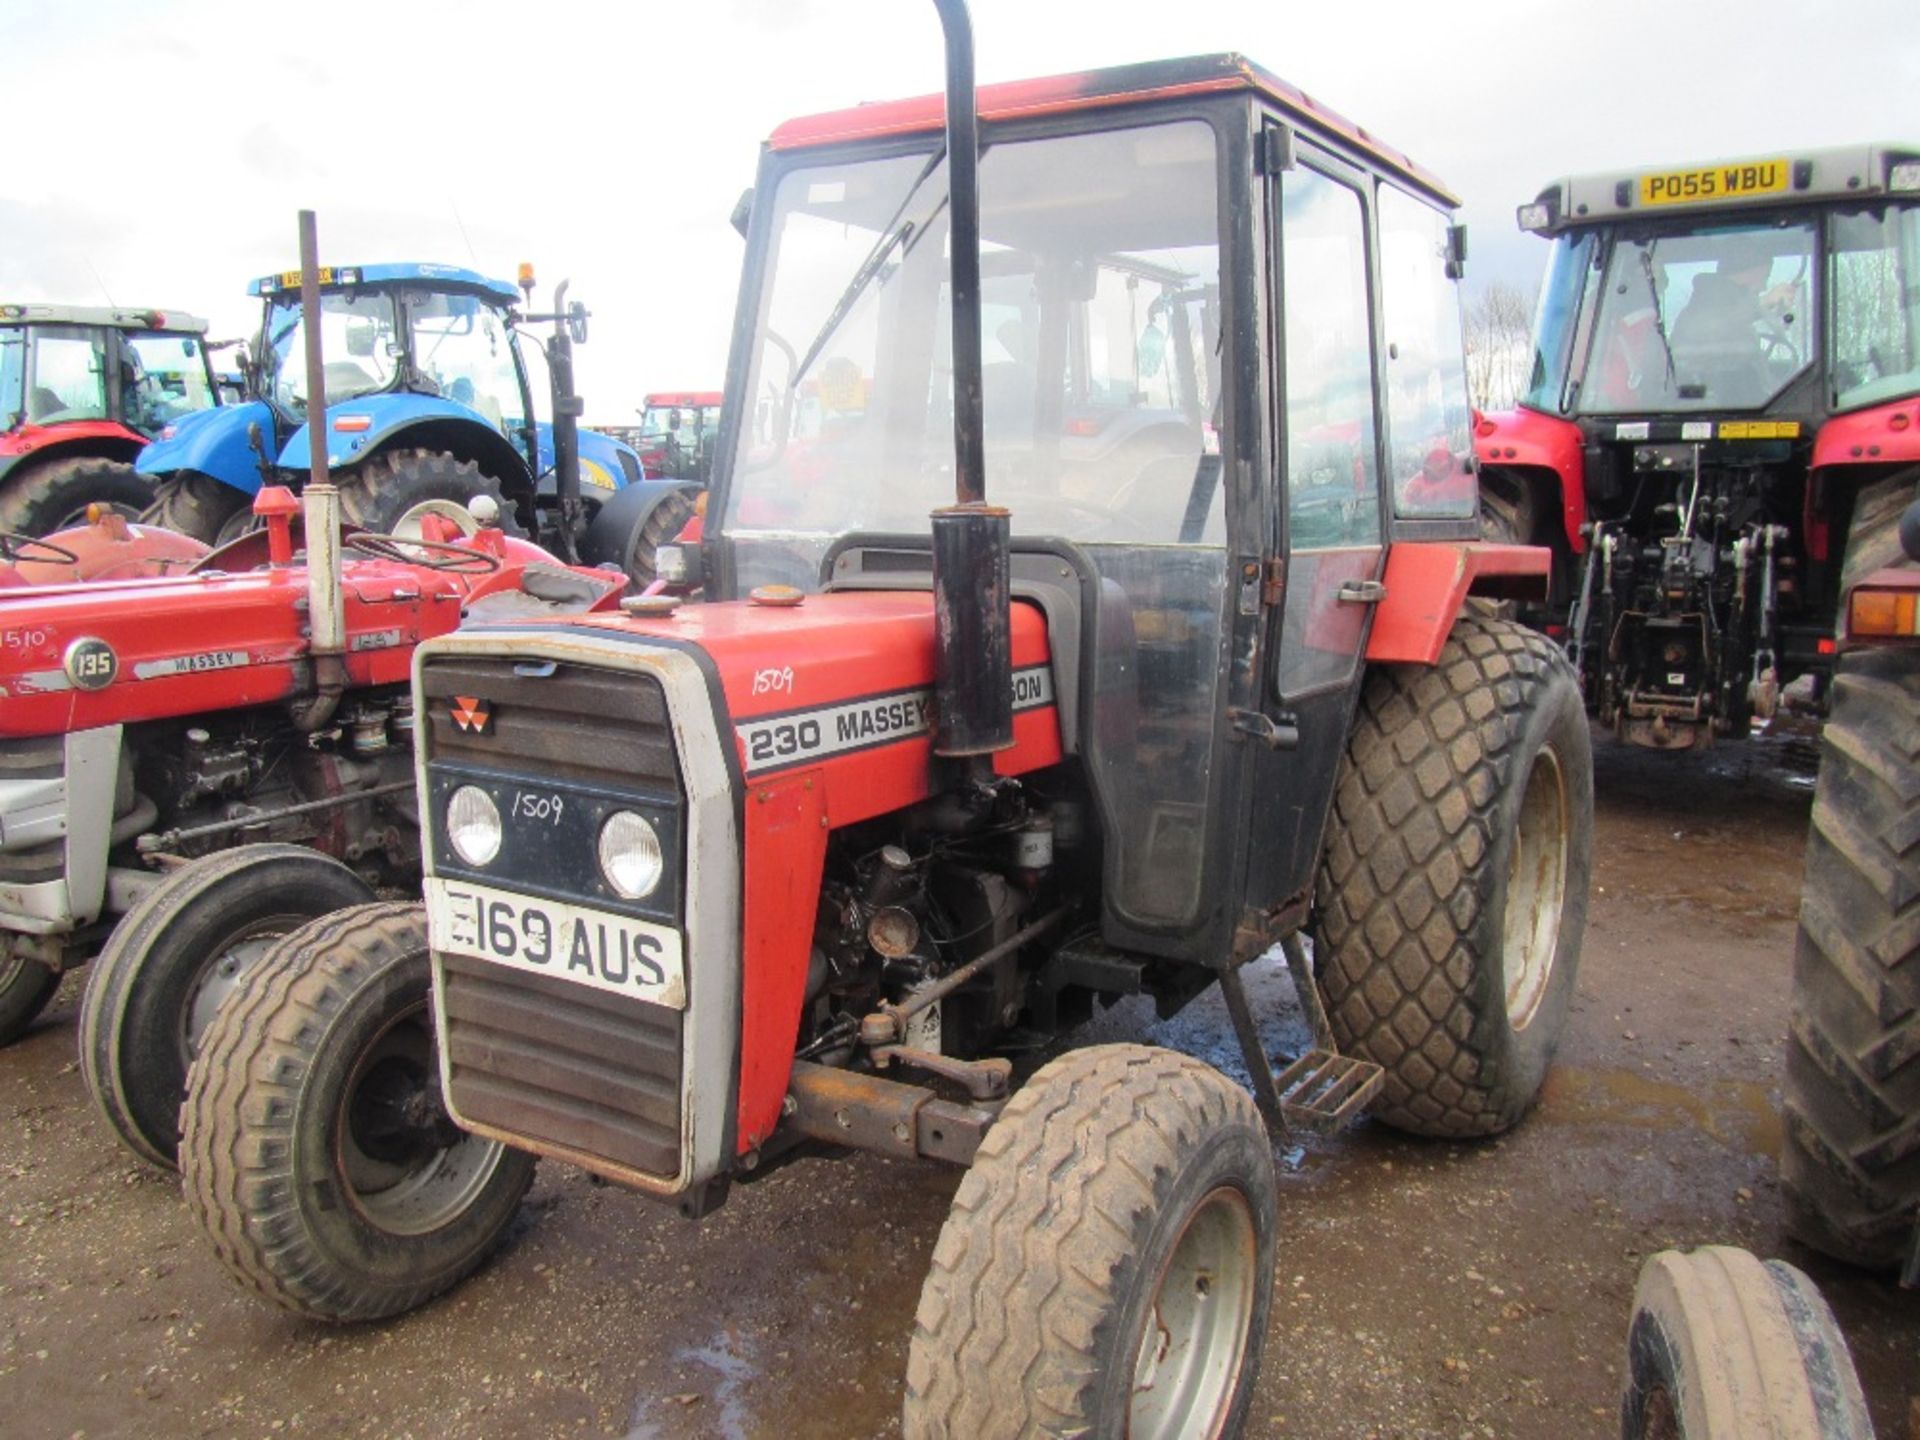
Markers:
320,503
972,615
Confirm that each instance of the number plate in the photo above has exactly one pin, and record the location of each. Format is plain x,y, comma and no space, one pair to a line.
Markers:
615,953
1716,182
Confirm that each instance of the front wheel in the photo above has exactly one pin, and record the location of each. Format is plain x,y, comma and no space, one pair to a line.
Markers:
171,963
1107,1269
1452,893
209,510
1723,1347
316,1149
378,494
26,988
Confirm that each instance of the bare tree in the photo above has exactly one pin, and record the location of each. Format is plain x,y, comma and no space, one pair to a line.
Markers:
1498,354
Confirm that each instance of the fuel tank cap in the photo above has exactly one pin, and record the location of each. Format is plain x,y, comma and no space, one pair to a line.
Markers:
655,607
785,596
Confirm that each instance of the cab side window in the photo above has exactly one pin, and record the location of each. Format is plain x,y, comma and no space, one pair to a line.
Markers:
1426,376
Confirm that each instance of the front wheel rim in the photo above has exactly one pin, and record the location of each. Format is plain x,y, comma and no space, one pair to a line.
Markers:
1194,1337
1536,888
403,1164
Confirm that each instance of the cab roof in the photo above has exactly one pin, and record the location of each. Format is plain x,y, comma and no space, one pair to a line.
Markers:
1781,177
1090,89
404,272
118,319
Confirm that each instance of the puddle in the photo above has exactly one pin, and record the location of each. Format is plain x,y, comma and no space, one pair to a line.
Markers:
721,1409
1737,1113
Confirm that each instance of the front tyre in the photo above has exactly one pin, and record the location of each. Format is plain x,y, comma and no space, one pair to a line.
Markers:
171,963
1723,1347
26,988
199,505
378,493
315,1148
1452,893
1107,1268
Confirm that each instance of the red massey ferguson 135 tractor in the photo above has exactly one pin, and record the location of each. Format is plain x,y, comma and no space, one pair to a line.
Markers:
256,701
82,389
804,867
1720,439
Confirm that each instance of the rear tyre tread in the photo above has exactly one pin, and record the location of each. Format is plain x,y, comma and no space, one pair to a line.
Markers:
196,505
39,499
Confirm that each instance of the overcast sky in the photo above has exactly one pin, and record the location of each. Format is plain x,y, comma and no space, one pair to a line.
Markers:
156,151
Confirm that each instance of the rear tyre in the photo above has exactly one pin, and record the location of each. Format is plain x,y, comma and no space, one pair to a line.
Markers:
200,506
40,499
315,1148
1107,1268
385,488
1850,1167
1723,1347
1452,892
173,960
26,988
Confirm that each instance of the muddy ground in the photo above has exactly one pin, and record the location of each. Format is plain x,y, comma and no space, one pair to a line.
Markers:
1424,1290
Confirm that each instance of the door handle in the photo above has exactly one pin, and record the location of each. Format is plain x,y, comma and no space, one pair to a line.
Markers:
1360,592
1281,735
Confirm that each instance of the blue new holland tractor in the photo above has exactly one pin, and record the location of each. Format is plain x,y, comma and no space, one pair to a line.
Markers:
428,402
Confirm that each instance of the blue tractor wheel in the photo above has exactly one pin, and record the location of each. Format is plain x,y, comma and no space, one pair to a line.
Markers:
200,506
379,492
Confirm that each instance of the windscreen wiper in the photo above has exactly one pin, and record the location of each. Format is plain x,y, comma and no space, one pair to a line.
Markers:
1659,324
892,235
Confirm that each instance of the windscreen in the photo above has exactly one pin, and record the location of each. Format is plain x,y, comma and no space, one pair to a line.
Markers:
1561,319
463,349
167,377
1100,335
1716,318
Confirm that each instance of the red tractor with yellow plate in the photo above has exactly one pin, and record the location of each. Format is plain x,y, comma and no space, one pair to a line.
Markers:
982,728
1720,440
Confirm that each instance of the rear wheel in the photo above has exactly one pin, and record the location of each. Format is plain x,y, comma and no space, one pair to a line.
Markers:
200,506
1453,885
1851,1164
315,1147
1107,1269
1723,1347
26,988
174,959
40,499
665,521
379,493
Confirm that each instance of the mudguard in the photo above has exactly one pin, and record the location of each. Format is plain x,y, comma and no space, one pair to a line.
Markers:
620,515
1428,580
605,463
371,423
212,442
1521,439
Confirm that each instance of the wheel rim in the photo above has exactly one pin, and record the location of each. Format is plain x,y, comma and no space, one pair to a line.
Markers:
1193,1344
406,1167
222,976
1536,888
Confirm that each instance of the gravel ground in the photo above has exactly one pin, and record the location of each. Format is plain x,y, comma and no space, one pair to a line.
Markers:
1424,1290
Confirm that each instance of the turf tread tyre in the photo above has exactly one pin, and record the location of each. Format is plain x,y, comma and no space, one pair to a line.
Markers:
1024,1301
26,988
376,494
39,499
239,1140
150,966
1850,1166
195,504
1725,1347
1412,879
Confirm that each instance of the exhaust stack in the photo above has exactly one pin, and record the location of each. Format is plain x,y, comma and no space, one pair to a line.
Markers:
320,502
972,616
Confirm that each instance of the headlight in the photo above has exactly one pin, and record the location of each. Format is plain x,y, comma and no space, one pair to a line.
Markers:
630,855
473,825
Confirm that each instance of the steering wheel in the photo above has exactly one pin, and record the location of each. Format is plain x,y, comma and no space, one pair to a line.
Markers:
428,554
1775,348
15,548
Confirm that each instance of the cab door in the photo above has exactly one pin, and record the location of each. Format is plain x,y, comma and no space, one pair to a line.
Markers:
1324,572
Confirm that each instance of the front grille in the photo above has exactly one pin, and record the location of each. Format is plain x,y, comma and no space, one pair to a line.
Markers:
558,1062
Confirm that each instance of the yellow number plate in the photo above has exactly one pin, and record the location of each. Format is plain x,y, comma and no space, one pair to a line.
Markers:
290,279
1716,182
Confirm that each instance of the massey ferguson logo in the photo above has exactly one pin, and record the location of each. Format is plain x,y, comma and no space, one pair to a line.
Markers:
471,714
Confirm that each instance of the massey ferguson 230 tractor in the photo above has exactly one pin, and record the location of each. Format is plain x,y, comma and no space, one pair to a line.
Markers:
807,865
1720,440
82,389
431,400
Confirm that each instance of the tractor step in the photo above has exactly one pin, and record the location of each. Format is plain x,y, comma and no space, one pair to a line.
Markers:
1322,1091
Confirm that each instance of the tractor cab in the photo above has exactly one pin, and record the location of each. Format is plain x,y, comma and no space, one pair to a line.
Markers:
677,431
1720,353
81,390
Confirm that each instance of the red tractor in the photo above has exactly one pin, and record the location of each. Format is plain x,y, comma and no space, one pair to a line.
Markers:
1720,440
82,390
812,865
676,434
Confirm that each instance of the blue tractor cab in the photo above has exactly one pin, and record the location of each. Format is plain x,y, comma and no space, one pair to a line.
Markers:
427,399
